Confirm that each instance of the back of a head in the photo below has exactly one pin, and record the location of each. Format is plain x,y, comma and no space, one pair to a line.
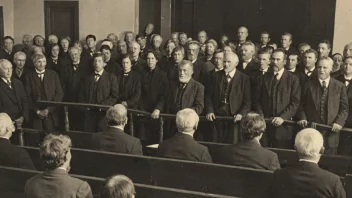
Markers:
6,125
252,125
117,115
117,186
187,120
309,144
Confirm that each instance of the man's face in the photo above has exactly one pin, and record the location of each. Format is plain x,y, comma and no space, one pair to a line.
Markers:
75,55
178,57
219,60
224,39
174,37
126,65
64,44
210,48
122,47
264,39
8,44
230,63
6,70
55,51
40,64
157,42
183,39
202,37
192,52
135,49
292,61
347,51
309,60
39,41
324,69
286,41
141,41
27,41
20,61
323,50
278,61
107,55
91,43
304,48
337,60
242,34
129,37
348,66
264,60
151,60
169,48
98,64
53,39
149,29
185,73
112,38
247,52
38,50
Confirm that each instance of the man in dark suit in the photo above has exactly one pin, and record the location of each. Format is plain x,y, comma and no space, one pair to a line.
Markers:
55,181
324,48
248,152
110,64
247,64
325,101
114,139
286,41
310,58
182,145
19,70
257,75
13,98
139,65
43,84
219,65
305,179
192,55
91,42
278,97
11,155
178,55
242,34
292,62
228,95
7,52
100,87
264,39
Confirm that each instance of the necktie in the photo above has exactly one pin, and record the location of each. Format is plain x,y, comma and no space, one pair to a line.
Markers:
324,85
309,73
228,77
97,76
9,83
75,66
19,72
347,82
41,76
276,76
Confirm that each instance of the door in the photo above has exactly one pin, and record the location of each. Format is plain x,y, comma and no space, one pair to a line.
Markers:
61,19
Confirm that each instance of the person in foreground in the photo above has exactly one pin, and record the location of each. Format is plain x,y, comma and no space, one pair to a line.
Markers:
117,186
114,139
306,179
248,152
11,155
55,181
182,145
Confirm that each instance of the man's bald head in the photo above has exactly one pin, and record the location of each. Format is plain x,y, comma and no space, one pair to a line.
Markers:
242,34
5,69
230,61
347,50
6,125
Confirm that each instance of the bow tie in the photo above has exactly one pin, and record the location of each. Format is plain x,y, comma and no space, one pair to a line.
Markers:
55,61
349,81
126,74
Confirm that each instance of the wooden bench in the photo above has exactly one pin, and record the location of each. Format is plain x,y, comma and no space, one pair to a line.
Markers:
172,173
13,180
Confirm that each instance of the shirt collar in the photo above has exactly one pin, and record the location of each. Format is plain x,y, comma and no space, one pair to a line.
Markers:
347,78
248,61
5,80
216,69
279,73
118,127
264,70
326,82
306,70
7,51
76,63
292,70
194,60
232,73
40,72
100,73
62,168
5,137
305,160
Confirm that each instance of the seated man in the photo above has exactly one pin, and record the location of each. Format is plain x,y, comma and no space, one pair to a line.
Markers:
306,179
182,145
11,155
249,152
117,186
114,139
55,181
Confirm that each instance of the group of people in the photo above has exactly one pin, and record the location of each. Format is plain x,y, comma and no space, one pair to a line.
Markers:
225,78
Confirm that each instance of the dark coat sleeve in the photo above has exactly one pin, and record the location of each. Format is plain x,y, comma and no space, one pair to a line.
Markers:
32,104
274,162
24,101
137,148
132,101
343,111
206,156
59,94
84,191
295,97
114,92
25,161
199,100
163,93
209,96
246,101
301,114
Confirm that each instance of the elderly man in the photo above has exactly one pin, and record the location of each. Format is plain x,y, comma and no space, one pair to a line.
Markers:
248,152
325,101
100,87
192,55
7,52
247,64
11,155
13,98
182,145
183,39
110,65
242,34
20,70
278,97
114,139
202,37
229,94
174,37
54,181
43,84
286,41
139,65
305,179
27,42
114,39
117,186
129,37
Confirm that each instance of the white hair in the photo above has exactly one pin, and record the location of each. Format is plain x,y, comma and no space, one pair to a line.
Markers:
19,53
5,123
308,143
186,120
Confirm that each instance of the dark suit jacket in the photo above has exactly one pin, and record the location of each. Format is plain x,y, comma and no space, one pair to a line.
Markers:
61,62
154,92
23,75
115,140
56,184
52,88
131,91
247,153
5,55
240,93
341,78
251,67
256,78
183,146
113,68
193,97
13,156
14,101
301,77
107,89
197,68
139,66
306,180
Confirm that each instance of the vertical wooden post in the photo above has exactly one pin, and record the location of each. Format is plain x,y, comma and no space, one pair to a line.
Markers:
20,135
131,125
161,131
67,122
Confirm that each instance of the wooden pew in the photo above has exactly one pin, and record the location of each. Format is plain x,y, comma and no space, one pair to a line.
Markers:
13,180
172,173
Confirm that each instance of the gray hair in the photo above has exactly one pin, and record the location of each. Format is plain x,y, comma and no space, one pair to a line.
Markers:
117,115
331,62
5,122
308,143
75,47
19,53
117,186
186,120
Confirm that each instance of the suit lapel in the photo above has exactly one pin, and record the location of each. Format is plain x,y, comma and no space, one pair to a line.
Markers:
282,81
332,97
187,91
91,82
315,92
268,82
15,88
46,85
36,79
7,90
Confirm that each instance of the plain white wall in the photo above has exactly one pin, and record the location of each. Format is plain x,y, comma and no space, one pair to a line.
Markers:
8,12
343,25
